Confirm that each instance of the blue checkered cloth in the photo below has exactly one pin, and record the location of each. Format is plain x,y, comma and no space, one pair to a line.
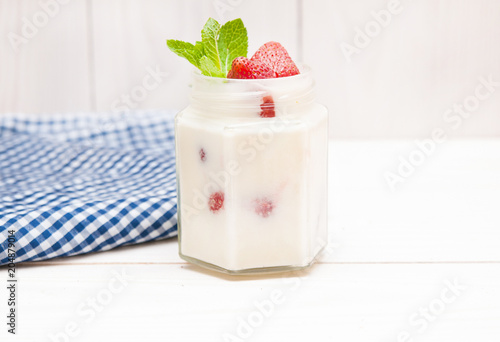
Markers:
84,183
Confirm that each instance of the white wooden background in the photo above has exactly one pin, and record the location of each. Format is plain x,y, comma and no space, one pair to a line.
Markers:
92,52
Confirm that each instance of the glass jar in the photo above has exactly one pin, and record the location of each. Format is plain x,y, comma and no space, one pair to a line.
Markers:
252,174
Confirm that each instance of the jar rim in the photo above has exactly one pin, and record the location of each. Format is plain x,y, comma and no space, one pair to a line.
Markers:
244,97
305,71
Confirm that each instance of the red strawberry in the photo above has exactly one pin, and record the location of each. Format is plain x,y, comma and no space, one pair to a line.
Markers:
267,107
245,68
203,155
263,207
216,201
276,57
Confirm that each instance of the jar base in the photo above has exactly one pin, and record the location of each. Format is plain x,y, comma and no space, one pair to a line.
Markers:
250,271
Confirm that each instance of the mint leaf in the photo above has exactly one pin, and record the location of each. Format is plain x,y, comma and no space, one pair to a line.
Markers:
209,36
218,47
199,49
187,50
208,68
232,43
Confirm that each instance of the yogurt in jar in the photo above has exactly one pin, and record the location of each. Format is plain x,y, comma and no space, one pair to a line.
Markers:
252,174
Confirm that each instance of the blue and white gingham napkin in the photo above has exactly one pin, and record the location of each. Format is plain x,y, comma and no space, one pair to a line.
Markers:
77,184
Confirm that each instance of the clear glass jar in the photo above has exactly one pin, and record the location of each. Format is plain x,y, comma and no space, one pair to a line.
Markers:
252,174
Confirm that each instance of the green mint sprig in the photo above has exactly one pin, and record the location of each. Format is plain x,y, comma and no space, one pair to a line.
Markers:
219,46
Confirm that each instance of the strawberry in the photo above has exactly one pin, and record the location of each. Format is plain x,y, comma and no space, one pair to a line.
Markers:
216,201
267,107
203,155
276,57
245,68
263,207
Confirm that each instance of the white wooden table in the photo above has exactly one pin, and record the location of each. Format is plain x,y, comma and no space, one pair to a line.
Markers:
420,263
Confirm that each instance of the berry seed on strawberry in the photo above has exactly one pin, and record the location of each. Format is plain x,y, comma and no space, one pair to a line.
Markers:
267,107
244,68
216,201
277,58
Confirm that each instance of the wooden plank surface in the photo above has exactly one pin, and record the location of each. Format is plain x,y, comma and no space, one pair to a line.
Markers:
404,75
9,68
327,303
91,55
48,70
